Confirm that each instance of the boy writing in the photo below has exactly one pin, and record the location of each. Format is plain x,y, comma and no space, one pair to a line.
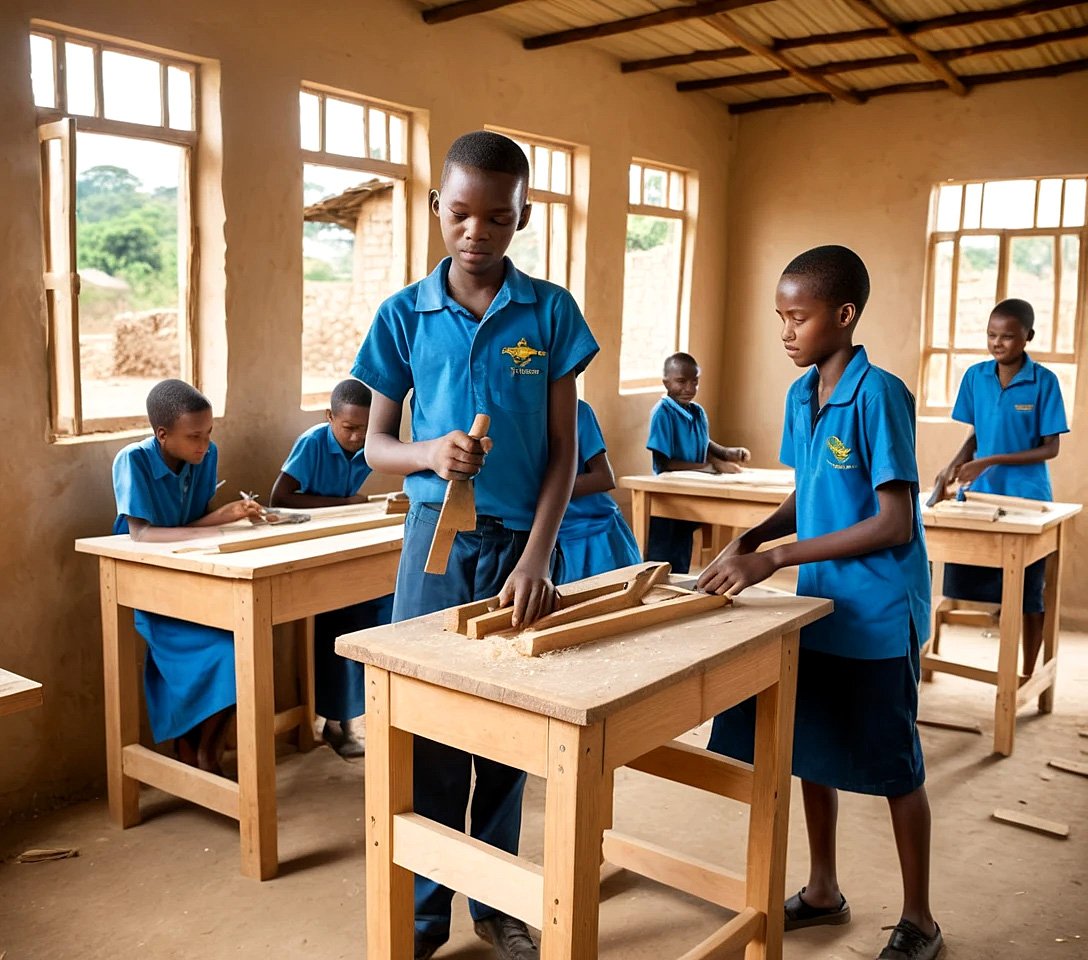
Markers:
680,440
326,468
477,336
163,487
1014,406
849,435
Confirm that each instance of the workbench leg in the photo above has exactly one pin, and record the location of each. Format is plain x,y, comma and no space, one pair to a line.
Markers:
608,794
122,693
640,519
256,727
572,841
1052,600
1008,657
304,652
768,823
390,909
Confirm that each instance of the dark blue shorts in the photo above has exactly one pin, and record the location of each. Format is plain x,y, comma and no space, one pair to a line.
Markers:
855,728
983,584
670,541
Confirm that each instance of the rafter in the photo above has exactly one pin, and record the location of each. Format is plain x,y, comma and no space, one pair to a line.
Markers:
465,8
736,80
679,59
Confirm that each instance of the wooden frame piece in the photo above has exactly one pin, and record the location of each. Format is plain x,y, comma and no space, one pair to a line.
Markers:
17,693
260,538
465,8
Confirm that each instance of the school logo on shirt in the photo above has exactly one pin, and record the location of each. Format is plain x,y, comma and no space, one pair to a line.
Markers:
522,355
1025,407
841,452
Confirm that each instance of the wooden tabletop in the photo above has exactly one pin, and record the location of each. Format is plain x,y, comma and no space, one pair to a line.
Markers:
1019,522
17,693
585,683
769,486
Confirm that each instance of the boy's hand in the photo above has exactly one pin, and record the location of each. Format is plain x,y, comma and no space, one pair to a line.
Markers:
723,466
738,454
970,470
457,456
532,594
242,510
729,573
941,486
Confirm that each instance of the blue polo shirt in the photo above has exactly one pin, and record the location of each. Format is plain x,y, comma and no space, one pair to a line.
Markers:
677,433
146,488
585,515
861,439
1010,420
322,467
457,366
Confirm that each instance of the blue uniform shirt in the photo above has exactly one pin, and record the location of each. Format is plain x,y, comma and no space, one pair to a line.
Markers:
861,439
322,467
457,366
585,514
1010,420
146,488
677,433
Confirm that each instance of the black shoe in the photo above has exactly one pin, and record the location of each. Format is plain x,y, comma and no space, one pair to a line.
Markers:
799,913
425,949
508,935
907,942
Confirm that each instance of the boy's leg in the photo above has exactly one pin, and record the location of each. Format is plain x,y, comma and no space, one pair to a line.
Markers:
670,541
911,823
821,820
1033,640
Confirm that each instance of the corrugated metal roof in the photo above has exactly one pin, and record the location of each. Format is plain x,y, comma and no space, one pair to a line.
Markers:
780,24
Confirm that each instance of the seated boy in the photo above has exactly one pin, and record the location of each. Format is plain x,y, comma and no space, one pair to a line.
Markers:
680,440
163,487
593,538
326,468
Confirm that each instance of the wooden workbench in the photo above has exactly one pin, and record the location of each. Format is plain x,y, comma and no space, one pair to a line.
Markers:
17,693
573,717
247,593
1011,543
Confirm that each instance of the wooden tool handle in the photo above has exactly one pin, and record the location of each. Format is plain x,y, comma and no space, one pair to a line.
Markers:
480,426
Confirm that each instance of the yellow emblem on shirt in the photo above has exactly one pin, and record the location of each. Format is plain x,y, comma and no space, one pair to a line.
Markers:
522,354
839,449
1025,407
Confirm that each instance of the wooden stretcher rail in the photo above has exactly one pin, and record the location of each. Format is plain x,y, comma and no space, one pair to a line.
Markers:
181,780
745,927
694,767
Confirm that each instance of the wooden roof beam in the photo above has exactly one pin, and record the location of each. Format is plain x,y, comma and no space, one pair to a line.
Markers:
679,59
660,18
736,80
465,8
925,58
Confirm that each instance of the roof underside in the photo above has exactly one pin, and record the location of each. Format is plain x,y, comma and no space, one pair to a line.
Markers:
762,54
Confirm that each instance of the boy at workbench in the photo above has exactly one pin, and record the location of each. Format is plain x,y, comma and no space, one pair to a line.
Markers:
163,487
477,336
680,440
593,538
849,434
1014,407
326,468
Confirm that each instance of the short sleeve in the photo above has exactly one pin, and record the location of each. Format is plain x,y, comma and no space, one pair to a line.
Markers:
300,461
572,343
590,438
662,437
206,481
964,410
889,435
132,485
1051,405
384,361
787,454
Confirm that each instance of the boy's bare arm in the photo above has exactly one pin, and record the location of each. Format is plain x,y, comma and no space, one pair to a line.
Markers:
598,477
1047,450
671,465
947,476
285,494
715,451
144,532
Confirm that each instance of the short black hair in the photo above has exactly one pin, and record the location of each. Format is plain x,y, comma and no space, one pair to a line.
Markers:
837,273
349,391
171,399
679,359
484,150
1020,310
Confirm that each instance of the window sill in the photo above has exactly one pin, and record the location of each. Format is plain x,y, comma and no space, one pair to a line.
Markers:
105,435
639,391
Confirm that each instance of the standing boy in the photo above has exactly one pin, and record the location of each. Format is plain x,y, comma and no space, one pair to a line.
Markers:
326,468
477,336
163,487
1014,406
849,435
680,440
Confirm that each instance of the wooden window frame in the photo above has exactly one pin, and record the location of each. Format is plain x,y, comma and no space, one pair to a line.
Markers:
62,286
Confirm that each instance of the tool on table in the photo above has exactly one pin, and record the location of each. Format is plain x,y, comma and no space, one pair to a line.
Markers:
458,509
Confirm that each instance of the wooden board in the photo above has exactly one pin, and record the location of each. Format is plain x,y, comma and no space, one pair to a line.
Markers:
949,725
1052,828
1069,766
273,537
1020,504
748,476
17,693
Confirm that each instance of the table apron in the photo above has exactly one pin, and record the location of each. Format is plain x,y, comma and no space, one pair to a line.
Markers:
947,545
716,510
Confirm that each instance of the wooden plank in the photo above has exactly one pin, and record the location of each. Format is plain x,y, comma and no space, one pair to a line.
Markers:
1051,828
17,693
694,876
677,59
1052,606
1042,679
1008,654
930,661
469,866
694,767
464,8
511,736
746,926
627,596
1009,503
1069,766
260,538
458,617
287,720
181,780
949,725
734,80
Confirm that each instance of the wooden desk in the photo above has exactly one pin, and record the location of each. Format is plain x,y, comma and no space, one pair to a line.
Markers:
1011,543
17,693
723,500
247,593
573,718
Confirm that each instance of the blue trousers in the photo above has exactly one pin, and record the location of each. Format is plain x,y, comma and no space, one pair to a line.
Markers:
479,564
670,541
339,684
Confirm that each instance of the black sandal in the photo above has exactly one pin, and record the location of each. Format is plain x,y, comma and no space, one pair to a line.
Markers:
907,942
800,914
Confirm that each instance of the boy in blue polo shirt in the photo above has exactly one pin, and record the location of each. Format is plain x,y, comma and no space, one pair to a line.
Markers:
680,440
163,487
326,468
477,336
1015,408
849,434
593,538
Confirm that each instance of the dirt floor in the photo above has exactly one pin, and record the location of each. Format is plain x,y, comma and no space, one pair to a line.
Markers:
170,888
